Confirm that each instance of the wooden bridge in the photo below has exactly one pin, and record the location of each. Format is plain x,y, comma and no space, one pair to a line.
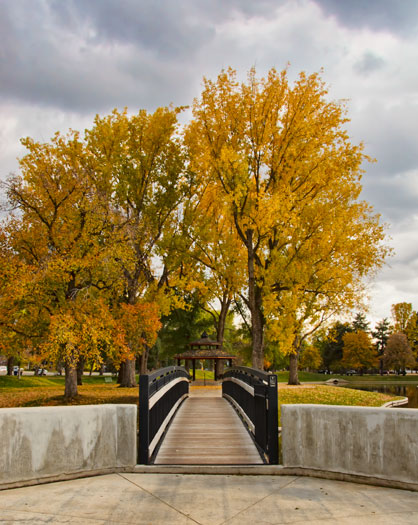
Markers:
232,424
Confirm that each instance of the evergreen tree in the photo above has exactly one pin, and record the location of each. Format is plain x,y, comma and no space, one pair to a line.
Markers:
381,334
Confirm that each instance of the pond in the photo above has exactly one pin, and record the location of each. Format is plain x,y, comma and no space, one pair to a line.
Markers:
409,391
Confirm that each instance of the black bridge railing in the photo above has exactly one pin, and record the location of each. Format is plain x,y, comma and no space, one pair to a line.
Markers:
253,394
160,394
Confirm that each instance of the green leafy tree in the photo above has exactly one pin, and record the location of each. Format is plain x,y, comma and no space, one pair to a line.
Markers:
331,345
381,335
360,323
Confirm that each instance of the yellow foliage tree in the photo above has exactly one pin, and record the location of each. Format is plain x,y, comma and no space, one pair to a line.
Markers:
63,238
281,163
358,351
310,357
139,167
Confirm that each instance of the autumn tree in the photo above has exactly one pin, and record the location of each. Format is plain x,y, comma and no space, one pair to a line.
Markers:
280,161
139,167
401,315
358,351
63,235
310,357
405,321
398,354
212,254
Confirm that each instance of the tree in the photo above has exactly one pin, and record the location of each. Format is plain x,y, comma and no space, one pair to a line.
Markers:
358,351
381,334
331,345
401,314
215,256
398,353
360,323
310,357
406,322
280,161
63,235
139,167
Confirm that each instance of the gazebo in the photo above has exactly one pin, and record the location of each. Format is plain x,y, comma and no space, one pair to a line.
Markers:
205,348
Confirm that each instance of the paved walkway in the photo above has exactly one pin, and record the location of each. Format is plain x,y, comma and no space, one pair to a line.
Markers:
155,499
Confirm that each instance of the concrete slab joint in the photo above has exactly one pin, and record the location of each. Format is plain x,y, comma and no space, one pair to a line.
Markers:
375,442
48,442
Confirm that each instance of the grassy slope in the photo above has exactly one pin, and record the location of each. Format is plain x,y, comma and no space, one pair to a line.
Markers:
47,391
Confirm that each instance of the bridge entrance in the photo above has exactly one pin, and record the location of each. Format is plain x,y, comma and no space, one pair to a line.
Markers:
236,424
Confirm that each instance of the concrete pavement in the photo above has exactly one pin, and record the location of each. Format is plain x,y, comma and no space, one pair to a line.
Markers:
155,499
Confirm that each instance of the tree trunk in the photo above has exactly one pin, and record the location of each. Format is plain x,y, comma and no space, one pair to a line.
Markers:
219,365
102,369
70,382
80,370
255,306
220,327
128,374
293,369
10,363
143,361
120,373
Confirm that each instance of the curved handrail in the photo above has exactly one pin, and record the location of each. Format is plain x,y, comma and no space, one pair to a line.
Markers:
253,393
160,394
162,376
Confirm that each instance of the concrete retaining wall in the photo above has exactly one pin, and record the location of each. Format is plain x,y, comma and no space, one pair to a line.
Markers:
58,442
376,442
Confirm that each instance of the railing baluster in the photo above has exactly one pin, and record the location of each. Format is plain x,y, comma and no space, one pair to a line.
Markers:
143,441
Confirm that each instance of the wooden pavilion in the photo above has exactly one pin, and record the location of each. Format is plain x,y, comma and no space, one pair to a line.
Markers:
205,348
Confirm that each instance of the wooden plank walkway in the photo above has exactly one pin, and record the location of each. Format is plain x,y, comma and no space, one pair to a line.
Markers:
207,431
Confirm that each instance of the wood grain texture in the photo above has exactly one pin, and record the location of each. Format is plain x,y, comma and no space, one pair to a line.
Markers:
207,431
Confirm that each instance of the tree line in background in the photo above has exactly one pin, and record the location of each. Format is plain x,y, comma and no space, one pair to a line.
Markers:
119,237
389,346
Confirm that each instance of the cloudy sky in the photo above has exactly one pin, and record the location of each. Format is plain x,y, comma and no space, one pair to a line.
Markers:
63,61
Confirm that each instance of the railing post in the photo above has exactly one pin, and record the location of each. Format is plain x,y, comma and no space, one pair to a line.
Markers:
143,441
260,422
272,421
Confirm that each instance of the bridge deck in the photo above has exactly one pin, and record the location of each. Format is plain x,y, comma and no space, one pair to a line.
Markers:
207,431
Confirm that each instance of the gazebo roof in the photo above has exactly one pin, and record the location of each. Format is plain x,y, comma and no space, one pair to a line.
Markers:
205,353
205,348
205,341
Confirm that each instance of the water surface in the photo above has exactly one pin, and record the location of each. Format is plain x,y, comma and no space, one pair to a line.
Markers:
409,391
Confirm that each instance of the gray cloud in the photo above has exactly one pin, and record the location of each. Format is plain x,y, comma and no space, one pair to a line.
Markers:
368,63
63,61
100,54
397,16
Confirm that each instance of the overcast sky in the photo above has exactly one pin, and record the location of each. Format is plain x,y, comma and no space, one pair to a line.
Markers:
63,61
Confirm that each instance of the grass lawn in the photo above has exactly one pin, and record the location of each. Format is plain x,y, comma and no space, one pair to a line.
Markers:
49,390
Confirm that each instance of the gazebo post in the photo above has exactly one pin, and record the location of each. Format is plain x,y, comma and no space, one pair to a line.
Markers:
215,375
194,369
